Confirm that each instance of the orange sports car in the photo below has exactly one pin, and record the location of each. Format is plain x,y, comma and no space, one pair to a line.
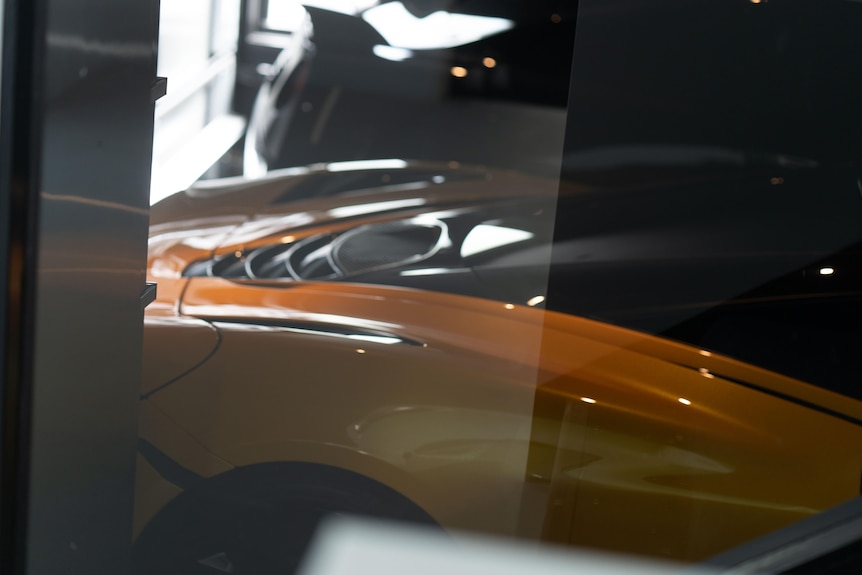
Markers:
381,339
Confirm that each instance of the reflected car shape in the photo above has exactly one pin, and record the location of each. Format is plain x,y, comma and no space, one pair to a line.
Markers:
375,338
352,85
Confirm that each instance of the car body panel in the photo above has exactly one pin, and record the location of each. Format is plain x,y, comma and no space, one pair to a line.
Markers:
478,412
181,343
444,374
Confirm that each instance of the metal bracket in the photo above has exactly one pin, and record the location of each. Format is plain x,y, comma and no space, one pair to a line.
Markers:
159,88
148,296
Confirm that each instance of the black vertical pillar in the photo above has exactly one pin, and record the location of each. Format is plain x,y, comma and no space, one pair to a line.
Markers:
78,89
20,167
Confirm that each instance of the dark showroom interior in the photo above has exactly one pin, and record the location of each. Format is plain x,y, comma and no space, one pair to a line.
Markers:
373,286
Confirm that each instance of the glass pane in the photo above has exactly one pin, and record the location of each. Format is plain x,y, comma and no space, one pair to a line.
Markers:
720,143
472,281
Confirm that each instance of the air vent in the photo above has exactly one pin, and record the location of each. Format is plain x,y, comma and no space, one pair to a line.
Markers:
310,259
225,266
385,245
327,256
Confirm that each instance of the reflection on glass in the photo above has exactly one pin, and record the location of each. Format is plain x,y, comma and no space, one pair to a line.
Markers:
287,14
370,208
459,71
486,237
534,301
392,53
435,31
391,164
432,271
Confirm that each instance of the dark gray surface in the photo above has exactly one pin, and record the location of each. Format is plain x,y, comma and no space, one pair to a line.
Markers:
96,137
795,545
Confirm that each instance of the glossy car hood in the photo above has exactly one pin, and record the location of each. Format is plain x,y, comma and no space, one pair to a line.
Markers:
648,254
487,330
180,344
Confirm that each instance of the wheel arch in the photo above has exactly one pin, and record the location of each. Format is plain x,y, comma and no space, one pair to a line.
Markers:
264,498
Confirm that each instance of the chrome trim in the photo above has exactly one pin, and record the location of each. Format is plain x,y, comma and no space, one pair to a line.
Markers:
321,329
